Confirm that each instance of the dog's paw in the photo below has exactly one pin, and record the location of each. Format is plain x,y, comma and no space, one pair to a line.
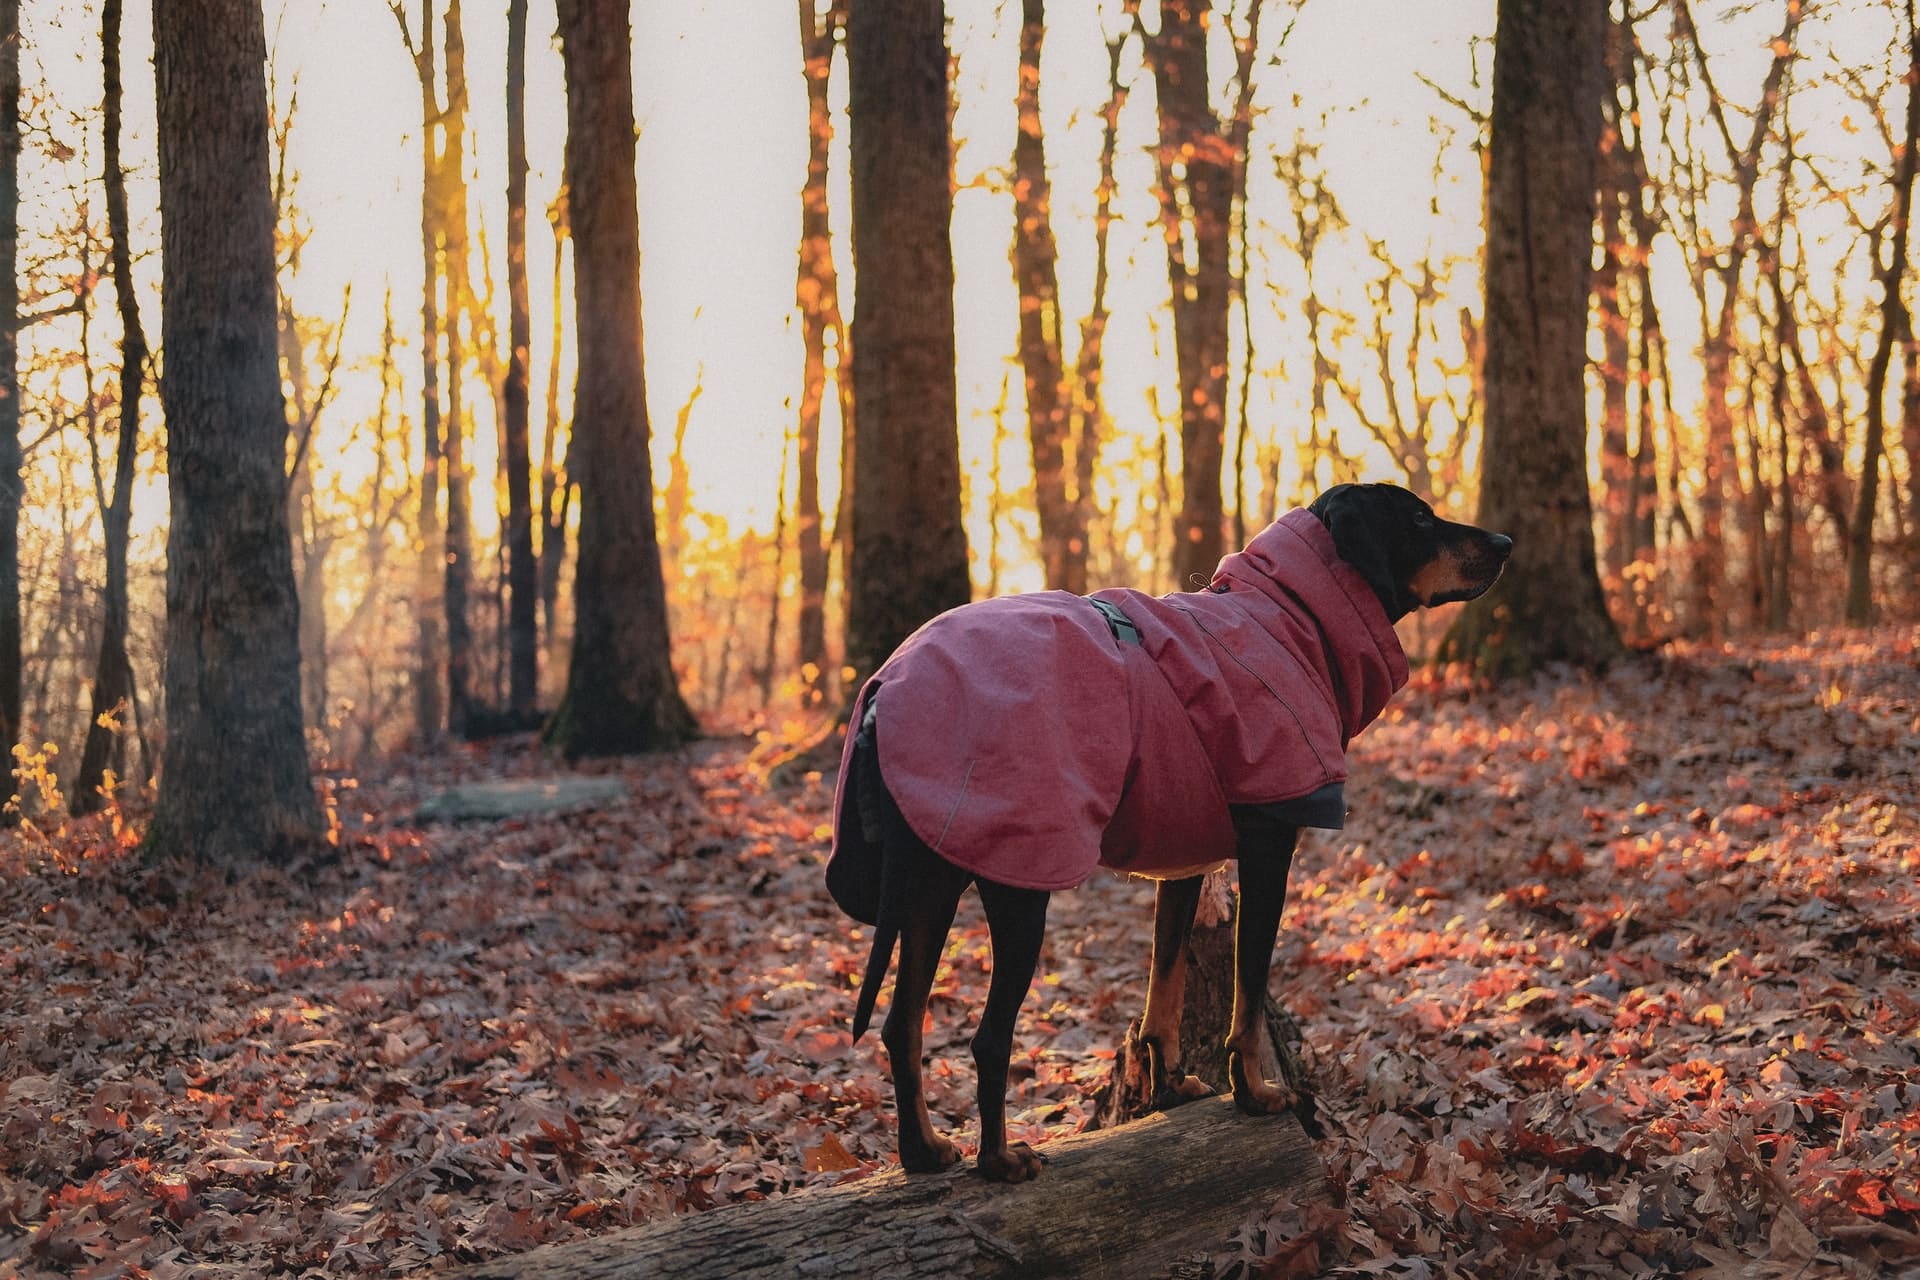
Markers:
1171,1086
1016,1162
930,1157
1255,1096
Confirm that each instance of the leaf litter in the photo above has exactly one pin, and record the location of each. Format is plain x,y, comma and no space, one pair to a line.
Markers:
1613,976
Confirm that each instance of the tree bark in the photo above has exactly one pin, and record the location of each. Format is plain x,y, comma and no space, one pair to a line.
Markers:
1721,466
1548,78
235,786
523,572
1896,329
1197,207
12,487
1609,280
113,672
556,487
458,565
621,695
430,708
1122,1204
1063,548
816,289
909,558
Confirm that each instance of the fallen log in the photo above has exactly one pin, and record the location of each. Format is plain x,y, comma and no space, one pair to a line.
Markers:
1125,1203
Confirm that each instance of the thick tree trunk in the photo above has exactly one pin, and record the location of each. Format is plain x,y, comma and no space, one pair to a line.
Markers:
523,572
1130,1203
1063,547
1896,328
113,673
458,565
1548,79
621,692
235,786
11,485
909,557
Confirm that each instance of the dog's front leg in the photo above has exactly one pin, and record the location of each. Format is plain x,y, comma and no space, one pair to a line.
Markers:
1016,921
1174,902
1263,893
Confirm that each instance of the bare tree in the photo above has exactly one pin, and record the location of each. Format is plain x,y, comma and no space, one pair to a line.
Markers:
816,292
909,558
11,487
1063,545
1201,167
621,692
1896,328
458,563
523,572
235,786
430,708
1548,80
113,689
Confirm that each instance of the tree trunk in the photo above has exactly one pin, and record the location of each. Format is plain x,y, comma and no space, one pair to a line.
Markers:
556,487
1062,547
1548,78
12,487
770,656
815,290
430,708
1199,208
1896,328
1720,464
621,692
909,557
1122,1204
1609,279
1089,418
458,578
113,673
235,786
523,573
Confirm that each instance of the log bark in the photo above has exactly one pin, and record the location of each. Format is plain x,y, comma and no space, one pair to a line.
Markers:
1121,1203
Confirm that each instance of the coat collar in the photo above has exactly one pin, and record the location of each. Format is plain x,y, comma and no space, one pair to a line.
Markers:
1293,563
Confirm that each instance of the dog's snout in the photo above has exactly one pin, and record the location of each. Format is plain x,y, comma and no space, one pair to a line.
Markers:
1500,544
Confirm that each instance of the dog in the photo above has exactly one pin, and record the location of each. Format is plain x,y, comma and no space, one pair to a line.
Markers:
1015,744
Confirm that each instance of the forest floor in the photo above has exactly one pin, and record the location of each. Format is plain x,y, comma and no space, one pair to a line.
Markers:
1608,977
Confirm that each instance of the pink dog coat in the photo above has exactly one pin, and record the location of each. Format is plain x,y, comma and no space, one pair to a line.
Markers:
1023,741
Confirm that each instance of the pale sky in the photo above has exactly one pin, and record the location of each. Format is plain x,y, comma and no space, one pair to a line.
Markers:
721,153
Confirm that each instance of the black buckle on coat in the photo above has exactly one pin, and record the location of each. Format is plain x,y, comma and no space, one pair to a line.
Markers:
1117,622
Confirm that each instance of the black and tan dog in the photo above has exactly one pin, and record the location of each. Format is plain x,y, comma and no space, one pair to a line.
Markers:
1029,739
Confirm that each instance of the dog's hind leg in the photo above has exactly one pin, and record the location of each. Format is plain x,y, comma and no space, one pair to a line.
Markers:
1174,903
925,915
1017,921
1263,894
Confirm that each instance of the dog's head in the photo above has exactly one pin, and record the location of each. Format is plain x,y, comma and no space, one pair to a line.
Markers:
1409,556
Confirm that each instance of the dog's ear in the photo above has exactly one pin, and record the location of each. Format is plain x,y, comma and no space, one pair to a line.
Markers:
1360,535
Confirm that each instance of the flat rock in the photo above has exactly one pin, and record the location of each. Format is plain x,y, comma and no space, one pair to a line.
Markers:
518,798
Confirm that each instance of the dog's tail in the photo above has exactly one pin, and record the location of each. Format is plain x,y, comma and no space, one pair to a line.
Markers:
879,960
877,821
